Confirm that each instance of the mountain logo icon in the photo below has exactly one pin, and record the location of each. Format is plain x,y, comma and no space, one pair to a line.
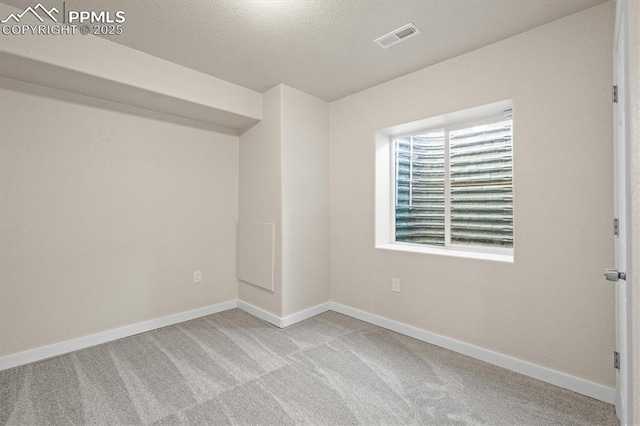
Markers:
34,11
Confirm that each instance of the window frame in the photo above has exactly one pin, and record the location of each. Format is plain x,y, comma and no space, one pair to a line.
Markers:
493,253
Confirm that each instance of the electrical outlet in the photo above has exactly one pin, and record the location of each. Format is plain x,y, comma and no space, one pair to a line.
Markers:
395,285
197,276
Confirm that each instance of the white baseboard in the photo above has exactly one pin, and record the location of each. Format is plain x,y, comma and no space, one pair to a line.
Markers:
282,322
60,348
557,378
563,380
307,313
262,314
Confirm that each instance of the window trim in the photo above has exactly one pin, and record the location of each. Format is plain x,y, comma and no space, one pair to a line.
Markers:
447,251
476,116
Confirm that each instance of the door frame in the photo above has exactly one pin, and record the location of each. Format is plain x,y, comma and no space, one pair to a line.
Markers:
621,142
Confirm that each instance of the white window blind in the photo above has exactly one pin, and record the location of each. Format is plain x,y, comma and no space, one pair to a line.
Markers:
454,187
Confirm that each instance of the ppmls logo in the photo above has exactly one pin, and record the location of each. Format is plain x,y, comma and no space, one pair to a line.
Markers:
34,12
102,22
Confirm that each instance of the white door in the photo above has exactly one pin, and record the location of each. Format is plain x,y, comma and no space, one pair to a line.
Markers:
621,209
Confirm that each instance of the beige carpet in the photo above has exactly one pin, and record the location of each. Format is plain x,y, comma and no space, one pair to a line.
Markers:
232,368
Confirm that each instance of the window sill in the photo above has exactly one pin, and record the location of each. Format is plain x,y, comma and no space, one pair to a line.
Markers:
496,257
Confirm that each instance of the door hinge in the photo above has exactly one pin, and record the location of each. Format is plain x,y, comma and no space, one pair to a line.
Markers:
616,227
616,360
615,94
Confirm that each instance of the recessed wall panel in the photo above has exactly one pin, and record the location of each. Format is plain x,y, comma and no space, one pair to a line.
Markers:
256,253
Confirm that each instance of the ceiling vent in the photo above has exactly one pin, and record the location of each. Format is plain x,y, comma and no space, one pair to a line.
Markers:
396,36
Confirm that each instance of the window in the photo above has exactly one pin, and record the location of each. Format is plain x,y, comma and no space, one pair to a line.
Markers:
450,184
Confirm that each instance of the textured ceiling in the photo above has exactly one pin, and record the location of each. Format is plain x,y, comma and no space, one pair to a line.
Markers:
322,47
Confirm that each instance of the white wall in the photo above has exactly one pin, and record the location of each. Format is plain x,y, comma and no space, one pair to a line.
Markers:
551,306
284,166
305,200
106,212
261,192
